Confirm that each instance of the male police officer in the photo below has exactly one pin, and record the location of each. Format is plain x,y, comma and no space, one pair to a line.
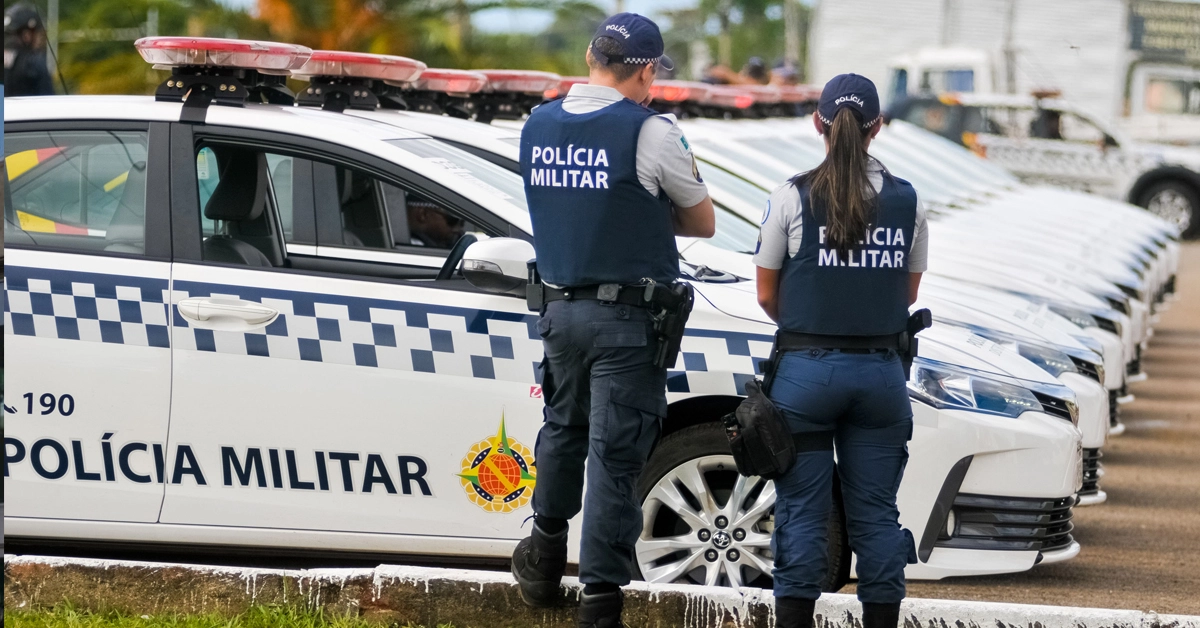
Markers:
609,185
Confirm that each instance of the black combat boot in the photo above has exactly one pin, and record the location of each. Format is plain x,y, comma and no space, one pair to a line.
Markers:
538,564
601,610
794,612
881,615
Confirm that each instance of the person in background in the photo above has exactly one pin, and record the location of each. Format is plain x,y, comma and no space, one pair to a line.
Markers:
25,70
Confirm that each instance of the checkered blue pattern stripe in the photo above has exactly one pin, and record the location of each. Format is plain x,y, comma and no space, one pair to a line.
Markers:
372,333
376,333
93,307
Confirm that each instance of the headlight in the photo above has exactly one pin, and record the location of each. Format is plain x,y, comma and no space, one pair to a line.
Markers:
947,386
1053,362
1075,315
1090,343
1047,357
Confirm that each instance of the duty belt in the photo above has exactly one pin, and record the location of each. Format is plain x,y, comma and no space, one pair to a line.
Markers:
795,341
632,294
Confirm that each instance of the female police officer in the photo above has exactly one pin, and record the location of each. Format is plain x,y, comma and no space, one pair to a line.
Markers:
840,258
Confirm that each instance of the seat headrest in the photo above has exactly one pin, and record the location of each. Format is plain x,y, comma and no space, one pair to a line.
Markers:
241,192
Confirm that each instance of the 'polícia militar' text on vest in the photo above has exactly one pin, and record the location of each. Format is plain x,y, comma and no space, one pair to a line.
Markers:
569,177
871,256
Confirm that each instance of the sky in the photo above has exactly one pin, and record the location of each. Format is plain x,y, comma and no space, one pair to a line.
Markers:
533,20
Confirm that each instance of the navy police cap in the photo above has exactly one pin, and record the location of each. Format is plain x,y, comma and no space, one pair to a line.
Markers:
849,91
639,37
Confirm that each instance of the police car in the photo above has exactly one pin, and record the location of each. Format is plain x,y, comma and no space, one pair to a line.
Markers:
1044,139
984,245
1021,325
247,326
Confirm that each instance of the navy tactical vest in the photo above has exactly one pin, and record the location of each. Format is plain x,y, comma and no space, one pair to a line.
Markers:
864,293
593,222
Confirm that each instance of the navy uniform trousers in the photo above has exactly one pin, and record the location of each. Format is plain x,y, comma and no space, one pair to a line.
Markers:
862,398
605,401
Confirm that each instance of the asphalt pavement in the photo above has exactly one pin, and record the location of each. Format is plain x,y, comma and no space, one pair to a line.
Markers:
1141,548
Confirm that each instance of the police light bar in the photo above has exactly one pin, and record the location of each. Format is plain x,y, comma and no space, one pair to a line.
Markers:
453,82
522,81
799,93
564,86
764,94
389,68
207,70
679,91
728,97
267,57
338,80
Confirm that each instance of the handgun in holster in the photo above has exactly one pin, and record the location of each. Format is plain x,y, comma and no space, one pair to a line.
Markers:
670,306
918,321
535,290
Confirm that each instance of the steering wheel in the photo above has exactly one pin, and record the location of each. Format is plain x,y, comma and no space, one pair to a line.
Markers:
456,256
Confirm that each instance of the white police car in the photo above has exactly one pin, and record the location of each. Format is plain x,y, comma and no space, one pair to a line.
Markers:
246,329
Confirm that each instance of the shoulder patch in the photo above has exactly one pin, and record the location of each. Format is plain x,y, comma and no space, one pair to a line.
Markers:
766,215
696,170
685,149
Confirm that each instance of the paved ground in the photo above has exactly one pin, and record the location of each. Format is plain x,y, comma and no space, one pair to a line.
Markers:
1142,548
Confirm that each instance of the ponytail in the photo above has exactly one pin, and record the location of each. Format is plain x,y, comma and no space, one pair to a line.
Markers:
841,185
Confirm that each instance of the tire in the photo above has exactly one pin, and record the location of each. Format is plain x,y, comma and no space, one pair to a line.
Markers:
680,535
1175,201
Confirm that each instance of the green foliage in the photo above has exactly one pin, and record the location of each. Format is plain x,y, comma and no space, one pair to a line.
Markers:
96,54
67,616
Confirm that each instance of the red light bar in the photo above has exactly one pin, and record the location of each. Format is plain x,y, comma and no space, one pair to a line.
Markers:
729,97
764,94
267,57
799,93
679,91
450,81
387,68
564,86
527,81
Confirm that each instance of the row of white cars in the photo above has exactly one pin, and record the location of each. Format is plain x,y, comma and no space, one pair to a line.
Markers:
296,329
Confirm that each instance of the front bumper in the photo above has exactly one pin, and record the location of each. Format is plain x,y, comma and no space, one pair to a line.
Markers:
1031,459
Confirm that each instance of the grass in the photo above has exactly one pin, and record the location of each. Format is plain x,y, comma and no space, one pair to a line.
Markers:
66,616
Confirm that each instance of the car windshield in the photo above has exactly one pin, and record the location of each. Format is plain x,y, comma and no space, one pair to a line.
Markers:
952,153
471,169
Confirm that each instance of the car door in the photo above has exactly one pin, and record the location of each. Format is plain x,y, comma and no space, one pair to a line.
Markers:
336,386
86,326
1047,146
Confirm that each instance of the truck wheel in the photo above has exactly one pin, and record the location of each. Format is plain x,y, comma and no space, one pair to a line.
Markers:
703,523
1176,202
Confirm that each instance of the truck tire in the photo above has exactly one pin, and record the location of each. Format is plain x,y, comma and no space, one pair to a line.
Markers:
1176,202
706,524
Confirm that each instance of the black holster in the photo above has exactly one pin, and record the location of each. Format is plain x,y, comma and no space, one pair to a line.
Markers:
671,305
919,321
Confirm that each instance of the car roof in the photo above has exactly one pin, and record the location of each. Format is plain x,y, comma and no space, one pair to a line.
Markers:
303,121
484,136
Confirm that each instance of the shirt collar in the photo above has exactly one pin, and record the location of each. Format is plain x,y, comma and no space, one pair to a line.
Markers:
873,165
596,92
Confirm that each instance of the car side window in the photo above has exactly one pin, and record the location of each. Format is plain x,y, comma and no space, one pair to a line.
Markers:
79,190
358,210
281,172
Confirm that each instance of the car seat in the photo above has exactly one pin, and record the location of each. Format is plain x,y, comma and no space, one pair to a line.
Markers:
239,199
126,232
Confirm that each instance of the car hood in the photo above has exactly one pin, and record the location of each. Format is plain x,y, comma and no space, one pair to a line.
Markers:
944,343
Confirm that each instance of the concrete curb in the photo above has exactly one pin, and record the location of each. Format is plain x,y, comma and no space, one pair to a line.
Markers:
478,599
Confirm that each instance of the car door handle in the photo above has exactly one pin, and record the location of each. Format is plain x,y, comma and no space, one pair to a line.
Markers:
218,312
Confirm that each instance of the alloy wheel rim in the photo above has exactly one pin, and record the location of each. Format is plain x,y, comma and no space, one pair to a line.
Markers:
703,523
1172,206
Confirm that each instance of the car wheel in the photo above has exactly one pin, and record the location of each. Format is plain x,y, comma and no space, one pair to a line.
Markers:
704,523
1177,203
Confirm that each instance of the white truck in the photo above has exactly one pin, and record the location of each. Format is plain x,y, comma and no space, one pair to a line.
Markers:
1134,63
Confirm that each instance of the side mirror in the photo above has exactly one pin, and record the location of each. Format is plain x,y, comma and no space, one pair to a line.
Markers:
498,265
